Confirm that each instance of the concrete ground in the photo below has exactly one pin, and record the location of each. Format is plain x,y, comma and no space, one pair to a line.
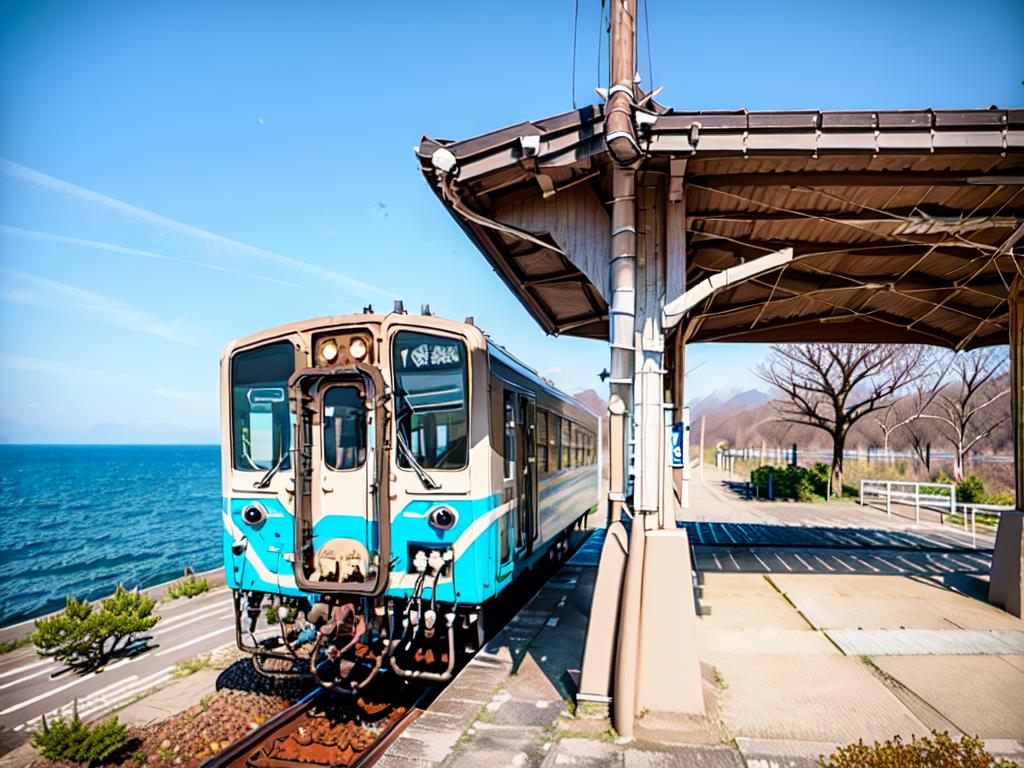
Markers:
856,625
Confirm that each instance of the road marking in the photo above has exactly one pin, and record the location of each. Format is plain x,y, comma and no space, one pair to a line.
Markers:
27,666
21,680
193,641
66,708
827,566
47,694
807,565
168,621
193,620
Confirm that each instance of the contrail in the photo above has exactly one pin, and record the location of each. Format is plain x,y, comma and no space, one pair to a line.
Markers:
63,297
52,237
41,180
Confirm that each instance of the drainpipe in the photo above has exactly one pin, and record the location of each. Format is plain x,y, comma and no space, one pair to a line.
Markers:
619,132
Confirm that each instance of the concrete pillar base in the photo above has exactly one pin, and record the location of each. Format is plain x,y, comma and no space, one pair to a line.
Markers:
602,628
668,678
1006,582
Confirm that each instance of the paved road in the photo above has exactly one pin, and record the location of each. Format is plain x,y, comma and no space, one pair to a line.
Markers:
31,687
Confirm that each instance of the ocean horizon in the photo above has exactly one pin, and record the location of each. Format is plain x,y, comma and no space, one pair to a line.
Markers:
81,518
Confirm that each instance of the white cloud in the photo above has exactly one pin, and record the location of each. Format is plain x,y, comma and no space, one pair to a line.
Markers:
57,296
219,243
51,237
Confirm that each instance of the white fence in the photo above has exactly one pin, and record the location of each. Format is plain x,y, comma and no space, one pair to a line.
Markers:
909,494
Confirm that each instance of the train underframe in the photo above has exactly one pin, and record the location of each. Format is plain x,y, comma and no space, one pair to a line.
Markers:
344,641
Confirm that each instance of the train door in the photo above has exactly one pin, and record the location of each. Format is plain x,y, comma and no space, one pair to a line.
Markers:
510,489
341,456
526,474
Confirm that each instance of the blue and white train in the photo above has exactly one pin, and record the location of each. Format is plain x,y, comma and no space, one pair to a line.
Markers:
385,477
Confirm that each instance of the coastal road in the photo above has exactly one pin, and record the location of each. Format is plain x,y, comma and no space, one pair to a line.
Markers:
31,687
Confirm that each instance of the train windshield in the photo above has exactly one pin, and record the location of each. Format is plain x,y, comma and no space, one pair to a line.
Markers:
261,426
430,386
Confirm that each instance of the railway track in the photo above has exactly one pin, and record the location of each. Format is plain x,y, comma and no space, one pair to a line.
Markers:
329,730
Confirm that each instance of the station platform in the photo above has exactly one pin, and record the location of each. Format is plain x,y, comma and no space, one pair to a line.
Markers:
820,625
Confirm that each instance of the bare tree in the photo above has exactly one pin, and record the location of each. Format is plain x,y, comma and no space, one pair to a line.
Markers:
831,387
907,409
964,390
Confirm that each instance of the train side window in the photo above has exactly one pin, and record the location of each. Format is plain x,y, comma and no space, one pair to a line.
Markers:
554,437
510,435
542,441
566,443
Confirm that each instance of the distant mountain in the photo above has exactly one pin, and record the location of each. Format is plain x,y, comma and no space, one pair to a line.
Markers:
730,399
593,401
141,434
14,431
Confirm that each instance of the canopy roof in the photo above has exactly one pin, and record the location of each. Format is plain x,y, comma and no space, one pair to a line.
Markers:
902,223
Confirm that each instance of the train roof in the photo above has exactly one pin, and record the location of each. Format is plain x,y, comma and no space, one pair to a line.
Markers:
497,351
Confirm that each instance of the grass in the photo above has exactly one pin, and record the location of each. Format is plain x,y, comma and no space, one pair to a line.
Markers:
188,587
12,645
187,667
719,679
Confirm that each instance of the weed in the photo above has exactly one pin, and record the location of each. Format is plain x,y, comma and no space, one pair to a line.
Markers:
188,587
187,667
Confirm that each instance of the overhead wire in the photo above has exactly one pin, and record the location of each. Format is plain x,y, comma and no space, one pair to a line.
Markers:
647,30
575,26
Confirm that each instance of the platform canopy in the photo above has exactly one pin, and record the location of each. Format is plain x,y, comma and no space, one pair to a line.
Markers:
902,223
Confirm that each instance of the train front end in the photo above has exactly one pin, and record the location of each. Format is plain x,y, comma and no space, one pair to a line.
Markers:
346,456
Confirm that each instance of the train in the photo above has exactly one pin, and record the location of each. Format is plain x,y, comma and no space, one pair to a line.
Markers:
386,477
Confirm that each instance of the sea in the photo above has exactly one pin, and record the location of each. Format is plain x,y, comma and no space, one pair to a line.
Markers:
80,519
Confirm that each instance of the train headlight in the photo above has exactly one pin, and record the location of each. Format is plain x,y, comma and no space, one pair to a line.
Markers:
255,515
357,349
443,518
329,351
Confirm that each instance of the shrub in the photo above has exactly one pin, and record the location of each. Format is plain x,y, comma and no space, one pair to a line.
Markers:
85,636
78,742
970,490
791,482
926,752
189,588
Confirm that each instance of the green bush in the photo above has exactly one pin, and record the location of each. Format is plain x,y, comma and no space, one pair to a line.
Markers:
791,482
189,587
81,635
926,752
78,742
971,490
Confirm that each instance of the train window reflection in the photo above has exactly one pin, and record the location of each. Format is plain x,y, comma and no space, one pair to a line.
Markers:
344,428
430,387
261,424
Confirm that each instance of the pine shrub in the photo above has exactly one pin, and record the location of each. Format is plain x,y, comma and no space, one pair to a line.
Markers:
81,635
79,742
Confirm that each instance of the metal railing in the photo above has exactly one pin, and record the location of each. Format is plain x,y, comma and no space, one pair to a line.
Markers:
909,493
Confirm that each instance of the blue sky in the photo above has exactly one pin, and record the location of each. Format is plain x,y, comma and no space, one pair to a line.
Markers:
176,175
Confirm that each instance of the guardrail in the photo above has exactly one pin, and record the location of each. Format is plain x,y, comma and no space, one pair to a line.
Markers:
899,492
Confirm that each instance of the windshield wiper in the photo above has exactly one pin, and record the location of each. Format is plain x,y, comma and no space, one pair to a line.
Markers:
264,481
428,482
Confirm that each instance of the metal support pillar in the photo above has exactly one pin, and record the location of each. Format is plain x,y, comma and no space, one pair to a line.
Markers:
1006,581
621,322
